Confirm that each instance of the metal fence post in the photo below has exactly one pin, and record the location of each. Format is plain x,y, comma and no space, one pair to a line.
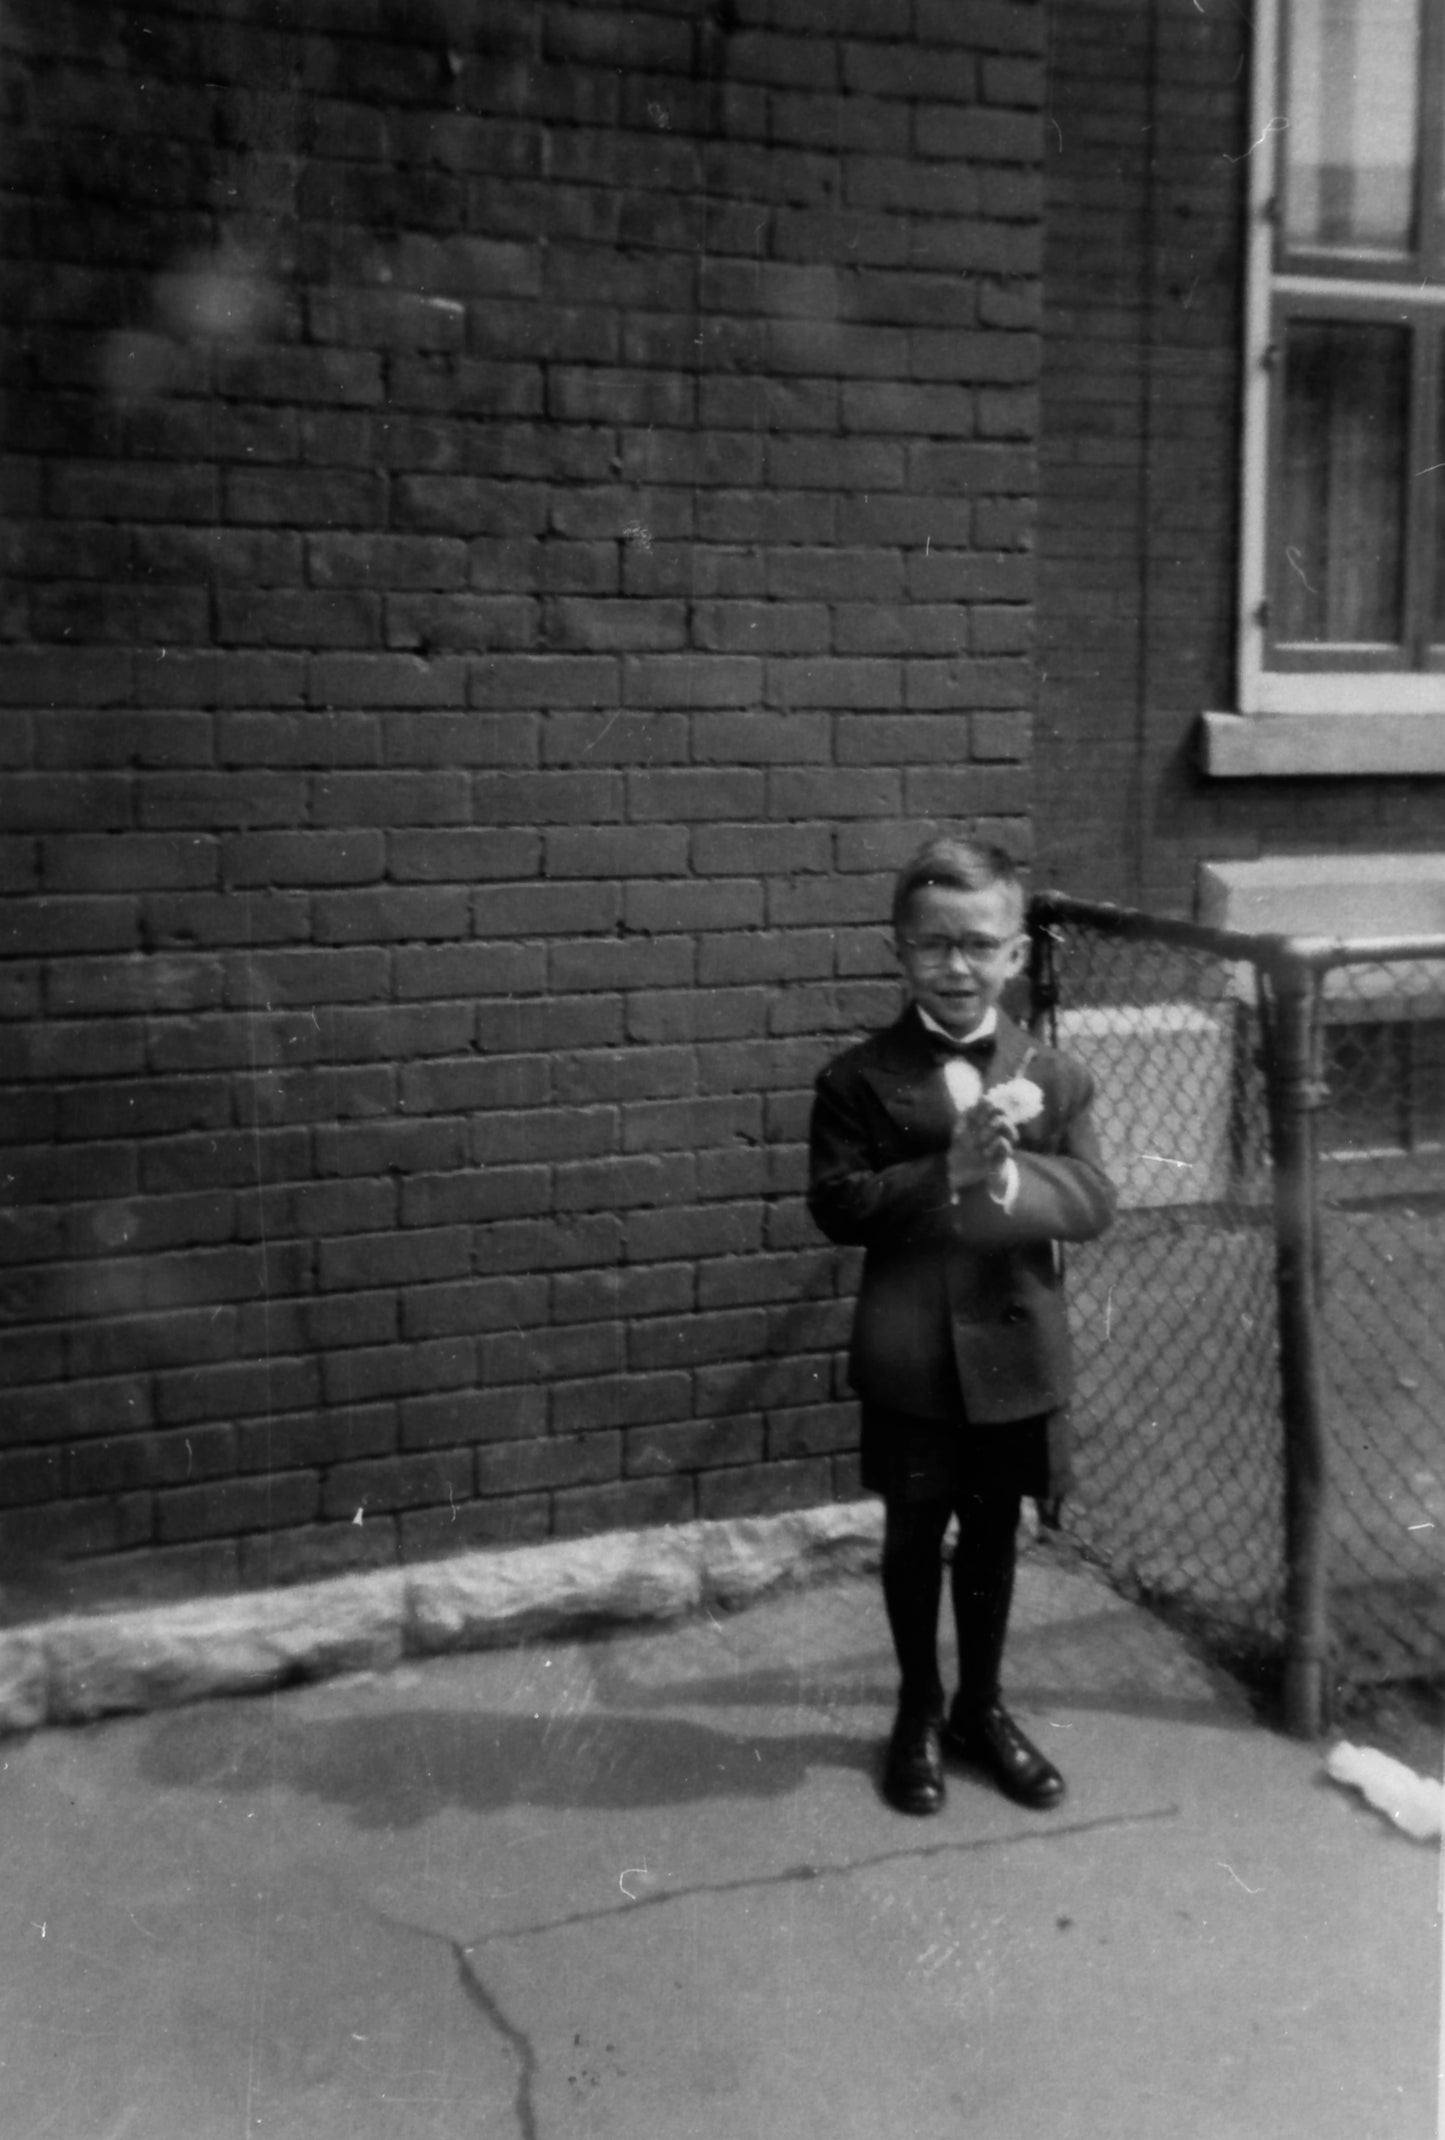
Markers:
1043,976
1295,1093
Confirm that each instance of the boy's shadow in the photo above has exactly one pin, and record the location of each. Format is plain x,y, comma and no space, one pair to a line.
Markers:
399,1768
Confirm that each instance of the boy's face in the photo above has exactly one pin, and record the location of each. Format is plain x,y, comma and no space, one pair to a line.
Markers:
958,950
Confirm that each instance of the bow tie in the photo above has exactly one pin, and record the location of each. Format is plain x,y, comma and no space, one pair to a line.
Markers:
979,1052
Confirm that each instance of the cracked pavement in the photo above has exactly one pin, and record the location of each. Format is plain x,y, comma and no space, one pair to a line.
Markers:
644,1885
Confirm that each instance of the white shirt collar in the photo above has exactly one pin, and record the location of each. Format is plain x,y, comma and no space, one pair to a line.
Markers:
985,1029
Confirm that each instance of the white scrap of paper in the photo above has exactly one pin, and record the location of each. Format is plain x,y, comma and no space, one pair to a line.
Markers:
1412,1802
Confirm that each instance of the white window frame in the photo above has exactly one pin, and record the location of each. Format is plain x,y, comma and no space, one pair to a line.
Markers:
1322,720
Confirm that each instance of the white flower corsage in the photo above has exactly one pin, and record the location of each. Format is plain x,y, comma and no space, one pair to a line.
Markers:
1018,1099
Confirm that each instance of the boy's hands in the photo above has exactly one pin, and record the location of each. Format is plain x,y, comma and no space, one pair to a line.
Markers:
983,1143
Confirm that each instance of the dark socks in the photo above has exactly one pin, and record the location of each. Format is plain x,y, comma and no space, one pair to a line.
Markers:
982,1592
912,1588
983,1586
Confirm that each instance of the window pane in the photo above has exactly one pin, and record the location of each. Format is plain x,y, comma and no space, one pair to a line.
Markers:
1427,1084
1352,138
1434,474
1386,1085
1338,550
1366,1077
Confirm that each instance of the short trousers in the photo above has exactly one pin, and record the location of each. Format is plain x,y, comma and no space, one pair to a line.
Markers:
943,1459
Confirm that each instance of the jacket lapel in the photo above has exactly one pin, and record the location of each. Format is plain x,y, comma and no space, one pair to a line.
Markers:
907,1075
1014,1045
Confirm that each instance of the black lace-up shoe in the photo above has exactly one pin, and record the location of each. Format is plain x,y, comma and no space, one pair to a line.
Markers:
913,1777
992,1741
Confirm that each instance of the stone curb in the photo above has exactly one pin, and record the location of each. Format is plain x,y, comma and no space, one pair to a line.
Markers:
80,1667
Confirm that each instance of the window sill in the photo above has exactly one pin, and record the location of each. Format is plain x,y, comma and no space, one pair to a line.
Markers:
1236,746
1344,895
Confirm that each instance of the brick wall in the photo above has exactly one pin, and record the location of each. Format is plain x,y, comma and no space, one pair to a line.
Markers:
1146,138
516,517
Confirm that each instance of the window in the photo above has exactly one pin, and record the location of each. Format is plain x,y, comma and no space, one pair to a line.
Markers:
1344,542
1386,1088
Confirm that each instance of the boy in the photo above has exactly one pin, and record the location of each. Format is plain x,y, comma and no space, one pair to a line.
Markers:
957,1153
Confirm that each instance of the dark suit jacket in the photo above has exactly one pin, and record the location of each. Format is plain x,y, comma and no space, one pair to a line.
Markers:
961,1303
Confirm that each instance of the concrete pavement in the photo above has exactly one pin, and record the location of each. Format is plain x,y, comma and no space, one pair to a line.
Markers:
644,1885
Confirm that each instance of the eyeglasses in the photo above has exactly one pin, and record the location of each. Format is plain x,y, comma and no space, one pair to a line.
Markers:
975,950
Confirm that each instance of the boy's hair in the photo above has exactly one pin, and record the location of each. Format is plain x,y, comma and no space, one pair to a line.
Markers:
958,864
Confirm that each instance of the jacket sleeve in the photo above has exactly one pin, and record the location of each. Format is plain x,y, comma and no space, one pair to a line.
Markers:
853,1198
1064,1193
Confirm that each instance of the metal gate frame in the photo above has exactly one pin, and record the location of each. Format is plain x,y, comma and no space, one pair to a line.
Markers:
1289,973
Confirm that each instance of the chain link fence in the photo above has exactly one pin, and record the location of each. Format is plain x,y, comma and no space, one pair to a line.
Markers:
1260,1339
1380,1144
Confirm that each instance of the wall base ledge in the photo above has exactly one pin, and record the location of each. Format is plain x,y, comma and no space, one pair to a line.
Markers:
77,1668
